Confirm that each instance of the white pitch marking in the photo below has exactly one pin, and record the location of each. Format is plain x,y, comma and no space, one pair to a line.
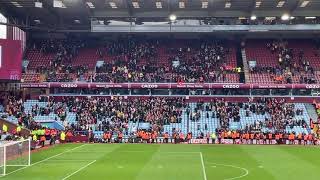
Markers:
120,167
83,167
68,160
214,166
45,159
260,166
164,152
237,167
203,167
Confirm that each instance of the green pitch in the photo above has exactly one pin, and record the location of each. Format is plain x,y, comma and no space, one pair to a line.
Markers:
170,162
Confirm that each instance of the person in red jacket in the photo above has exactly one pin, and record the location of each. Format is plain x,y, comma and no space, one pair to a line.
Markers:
120,136
105,137
42,140
189,137
154,137
47,133
181,137
305,139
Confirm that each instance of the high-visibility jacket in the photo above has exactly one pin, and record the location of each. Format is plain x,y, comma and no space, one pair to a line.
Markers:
238,69
18,129
213,136
34,132
62,136
42,132
4,128
34,137
39,132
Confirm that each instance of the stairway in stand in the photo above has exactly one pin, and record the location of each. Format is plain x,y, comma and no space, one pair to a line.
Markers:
240,64
245,65
311,111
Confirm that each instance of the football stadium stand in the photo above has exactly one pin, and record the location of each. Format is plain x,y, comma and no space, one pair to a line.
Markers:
133,61
154,60
119,89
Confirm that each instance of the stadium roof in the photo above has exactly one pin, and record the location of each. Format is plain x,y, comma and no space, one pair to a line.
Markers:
79,12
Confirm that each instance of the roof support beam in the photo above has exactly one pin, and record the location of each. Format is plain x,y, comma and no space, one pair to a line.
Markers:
295,6
129,7
51,10
210,6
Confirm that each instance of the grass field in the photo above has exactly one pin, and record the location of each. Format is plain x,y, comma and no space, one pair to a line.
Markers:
170,162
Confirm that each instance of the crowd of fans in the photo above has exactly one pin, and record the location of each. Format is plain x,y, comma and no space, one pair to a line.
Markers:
134,59
112,115
115,113
205,63
107,114
202,63
13,107
282,114
292,66
316,105
60,67
137,60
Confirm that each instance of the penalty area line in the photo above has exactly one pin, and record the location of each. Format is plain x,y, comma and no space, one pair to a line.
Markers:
203,167
83,167
44,160
160,152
